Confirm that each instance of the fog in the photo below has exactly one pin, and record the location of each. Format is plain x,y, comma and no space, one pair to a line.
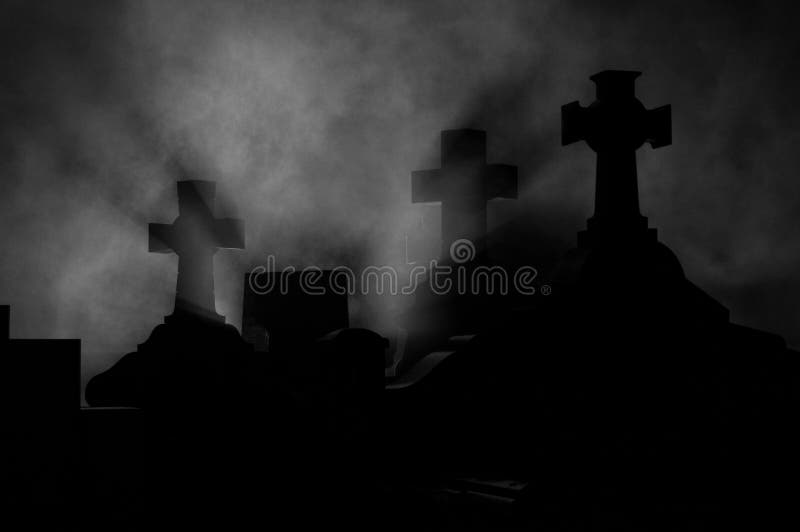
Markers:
310,117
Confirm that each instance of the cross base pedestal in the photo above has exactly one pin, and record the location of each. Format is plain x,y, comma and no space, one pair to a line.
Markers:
186,312
599,230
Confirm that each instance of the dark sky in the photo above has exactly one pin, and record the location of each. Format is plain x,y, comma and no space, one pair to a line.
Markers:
310,116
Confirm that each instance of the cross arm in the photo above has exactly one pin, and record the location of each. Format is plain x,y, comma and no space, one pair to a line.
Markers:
573,123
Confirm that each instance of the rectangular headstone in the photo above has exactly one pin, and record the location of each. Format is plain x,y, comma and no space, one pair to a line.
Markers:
39,405
283,319
5,320
40,379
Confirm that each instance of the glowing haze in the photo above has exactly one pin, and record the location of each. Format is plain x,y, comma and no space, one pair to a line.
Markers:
311,115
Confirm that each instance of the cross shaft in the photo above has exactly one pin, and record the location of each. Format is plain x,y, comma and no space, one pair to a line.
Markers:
615,126
195,237
463,185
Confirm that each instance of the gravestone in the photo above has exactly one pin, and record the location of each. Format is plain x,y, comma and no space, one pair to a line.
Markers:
640,368
463,185
39,405
615,126
194,356
5,320
288,316
41,377
617,243
197,383
626,392
195,237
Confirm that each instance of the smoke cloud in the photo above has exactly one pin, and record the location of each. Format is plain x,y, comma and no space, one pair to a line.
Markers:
311,115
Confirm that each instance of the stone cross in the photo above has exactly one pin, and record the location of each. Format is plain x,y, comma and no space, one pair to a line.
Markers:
463,185
615,126
195,237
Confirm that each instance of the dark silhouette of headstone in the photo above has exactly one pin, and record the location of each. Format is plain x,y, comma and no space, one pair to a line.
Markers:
463,185
217,414
198,383
615,126
646,364
617,243
295,311
39,404
42,376
625,396
5,320
195,237
625,399
194,357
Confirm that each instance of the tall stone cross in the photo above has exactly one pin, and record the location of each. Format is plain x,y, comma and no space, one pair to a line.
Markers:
615,126
463,185
195,237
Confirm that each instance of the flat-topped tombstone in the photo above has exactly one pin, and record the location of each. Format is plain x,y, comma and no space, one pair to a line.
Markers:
41,377
5,318
281,313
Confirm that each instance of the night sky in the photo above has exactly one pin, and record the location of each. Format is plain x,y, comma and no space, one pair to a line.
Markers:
311,115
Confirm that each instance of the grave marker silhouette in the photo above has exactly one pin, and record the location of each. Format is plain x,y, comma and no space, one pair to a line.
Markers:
194,354
290,318
195,236
39,404
463,185
615,126
5,317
